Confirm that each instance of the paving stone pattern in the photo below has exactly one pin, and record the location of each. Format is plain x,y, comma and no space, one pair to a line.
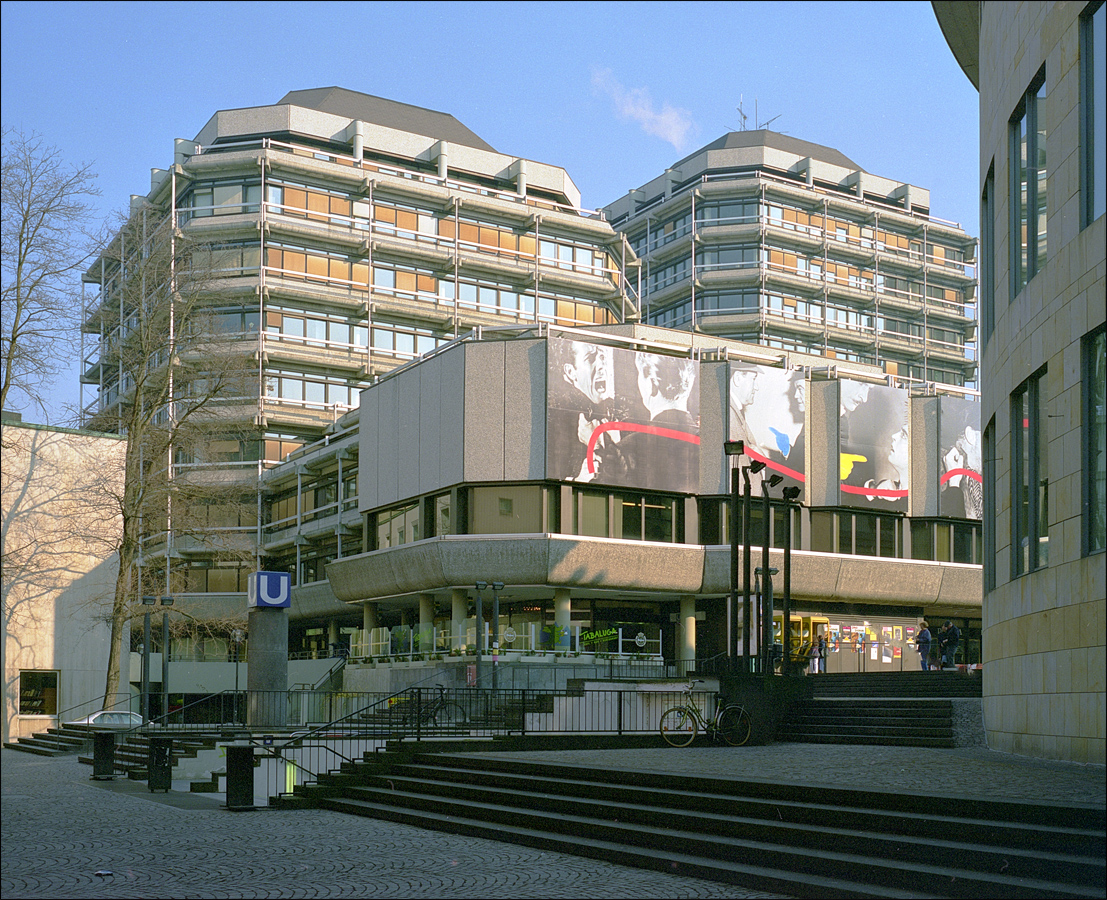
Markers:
60,829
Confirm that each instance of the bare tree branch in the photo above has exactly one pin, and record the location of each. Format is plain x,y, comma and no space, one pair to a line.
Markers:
47,239
182,390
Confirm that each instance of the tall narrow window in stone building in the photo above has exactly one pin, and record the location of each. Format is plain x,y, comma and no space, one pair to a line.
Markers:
1095,442
1028,185
1029,478
988,525
987,257
1093,113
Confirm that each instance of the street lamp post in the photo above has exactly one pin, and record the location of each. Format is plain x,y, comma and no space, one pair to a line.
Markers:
790,494
497,586
237,635
479,610
740,532
766,576
147,602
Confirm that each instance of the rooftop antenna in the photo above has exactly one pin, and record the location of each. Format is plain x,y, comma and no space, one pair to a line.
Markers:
742,113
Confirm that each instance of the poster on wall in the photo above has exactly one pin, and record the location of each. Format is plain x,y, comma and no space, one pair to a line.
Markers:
767,407
622,417
960,479
874,448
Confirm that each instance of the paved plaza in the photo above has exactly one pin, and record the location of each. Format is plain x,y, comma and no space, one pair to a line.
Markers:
65,835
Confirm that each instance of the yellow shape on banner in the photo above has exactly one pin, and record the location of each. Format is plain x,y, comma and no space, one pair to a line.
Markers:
846,462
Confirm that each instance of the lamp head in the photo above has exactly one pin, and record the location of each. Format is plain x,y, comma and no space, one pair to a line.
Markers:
147,600
756,466
734,448
790,493
774,480
497,585
482,585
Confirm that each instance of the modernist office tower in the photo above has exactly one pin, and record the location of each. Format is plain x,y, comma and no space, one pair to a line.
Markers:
1039,68
772,240
354,234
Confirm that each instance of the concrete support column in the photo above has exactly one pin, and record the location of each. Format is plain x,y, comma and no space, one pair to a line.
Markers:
459,615
368,625
267,669
562,617
688,632
426,623
332,634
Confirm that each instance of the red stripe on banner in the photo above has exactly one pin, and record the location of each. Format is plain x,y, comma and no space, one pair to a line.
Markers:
777,467
630,426
968,473
874,492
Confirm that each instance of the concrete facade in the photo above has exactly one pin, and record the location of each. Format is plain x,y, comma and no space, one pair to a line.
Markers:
1044,623
58,573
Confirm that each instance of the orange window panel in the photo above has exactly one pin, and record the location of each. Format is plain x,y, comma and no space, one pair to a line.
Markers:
509,241
489,237
295,262
318,205
527,244
446,228
426,283
405,281
407,219
317,266
469,232
273,257
386,214
340,269
341,206
294,198
360,273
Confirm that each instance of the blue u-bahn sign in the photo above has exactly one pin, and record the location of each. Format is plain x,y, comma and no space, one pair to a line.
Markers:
269,590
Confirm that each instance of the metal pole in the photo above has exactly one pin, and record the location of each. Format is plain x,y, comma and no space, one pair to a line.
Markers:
766,580
496,588
747,563
480,629
732,605
165,666
146,667
786,603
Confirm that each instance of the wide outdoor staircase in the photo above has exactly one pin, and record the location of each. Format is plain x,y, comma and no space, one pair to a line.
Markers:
905,709
782,838
905,685
61,741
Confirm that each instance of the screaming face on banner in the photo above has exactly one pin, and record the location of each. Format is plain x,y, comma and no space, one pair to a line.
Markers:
622,417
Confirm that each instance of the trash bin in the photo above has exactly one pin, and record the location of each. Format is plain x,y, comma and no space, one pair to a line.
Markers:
103,756
159,765
240,777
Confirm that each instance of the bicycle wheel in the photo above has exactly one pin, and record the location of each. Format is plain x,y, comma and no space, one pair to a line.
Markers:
735,725
678,726
450,714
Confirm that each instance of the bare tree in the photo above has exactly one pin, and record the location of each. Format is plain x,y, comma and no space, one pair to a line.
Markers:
47,239
182,391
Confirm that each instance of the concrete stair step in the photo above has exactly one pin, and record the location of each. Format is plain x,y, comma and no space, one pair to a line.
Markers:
771,836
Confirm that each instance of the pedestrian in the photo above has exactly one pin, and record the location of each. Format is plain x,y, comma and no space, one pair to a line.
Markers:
822,653
922,642
948,640
813,665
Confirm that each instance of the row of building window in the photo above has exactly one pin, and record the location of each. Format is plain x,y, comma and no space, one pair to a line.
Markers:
813,223
388,217
519,509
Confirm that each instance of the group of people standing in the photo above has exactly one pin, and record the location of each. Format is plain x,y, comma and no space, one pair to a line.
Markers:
949,636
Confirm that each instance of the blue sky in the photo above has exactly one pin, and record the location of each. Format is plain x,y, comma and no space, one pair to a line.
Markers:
612,92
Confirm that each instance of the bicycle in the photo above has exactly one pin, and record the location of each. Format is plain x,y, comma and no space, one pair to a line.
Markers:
680,724
439,711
